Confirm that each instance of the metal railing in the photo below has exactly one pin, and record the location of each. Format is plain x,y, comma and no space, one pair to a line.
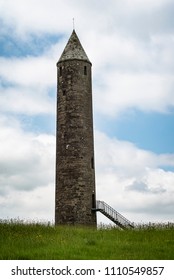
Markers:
113,215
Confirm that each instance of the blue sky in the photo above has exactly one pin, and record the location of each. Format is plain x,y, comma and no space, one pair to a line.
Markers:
130,44
13,47
149,131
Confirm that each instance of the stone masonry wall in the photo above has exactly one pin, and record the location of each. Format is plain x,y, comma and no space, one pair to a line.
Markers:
75,170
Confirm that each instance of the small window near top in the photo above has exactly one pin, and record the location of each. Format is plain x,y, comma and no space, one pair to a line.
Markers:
64,92
60,71
85,70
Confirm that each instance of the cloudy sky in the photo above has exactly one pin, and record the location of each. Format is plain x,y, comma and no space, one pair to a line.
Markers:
130,44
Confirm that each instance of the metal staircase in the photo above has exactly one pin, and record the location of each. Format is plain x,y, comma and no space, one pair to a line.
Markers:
113,215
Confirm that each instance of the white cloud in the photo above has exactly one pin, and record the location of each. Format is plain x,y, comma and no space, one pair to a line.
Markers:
29,101
44,16
144,91
26,173
27,164
131,181
36,205
27,83
29,71
26,160
144,4
132,74
51,16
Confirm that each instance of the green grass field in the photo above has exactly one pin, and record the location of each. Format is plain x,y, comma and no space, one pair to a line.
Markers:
35,242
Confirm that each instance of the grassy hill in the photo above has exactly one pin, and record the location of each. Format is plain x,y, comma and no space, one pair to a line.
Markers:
36,242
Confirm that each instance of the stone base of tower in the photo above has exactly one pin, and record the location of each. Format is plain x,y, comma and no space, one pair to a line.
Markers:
69,215
75,213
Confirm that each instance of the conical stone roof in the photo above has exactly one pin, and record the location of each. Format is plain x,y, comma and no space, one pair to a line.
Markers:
73,50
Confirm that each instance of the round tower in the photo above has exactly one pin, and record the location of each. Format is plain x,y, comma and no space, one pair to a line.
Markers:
75,170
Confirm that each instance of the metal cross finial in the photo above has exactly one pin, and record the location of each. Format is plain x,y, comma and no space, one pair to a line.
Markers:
73,24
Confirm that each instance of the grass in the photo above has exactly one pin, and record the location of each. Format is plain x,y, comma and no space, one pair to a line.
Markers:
20,241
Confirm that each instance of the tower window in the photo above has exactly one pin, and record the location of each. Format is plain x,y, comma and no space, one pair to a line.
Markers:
60,71
85,70
64,92
93,201
92,163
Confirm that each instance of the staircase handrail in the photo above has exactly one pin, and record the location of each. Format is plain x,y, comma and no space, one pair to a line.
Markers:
101,205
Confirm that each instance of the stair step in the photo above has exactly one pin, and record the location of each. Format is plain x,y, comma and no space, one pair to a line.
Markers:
113,215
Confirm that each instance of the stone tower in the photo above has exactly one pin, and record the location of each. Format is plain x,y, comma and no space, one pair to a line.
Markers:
75,171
